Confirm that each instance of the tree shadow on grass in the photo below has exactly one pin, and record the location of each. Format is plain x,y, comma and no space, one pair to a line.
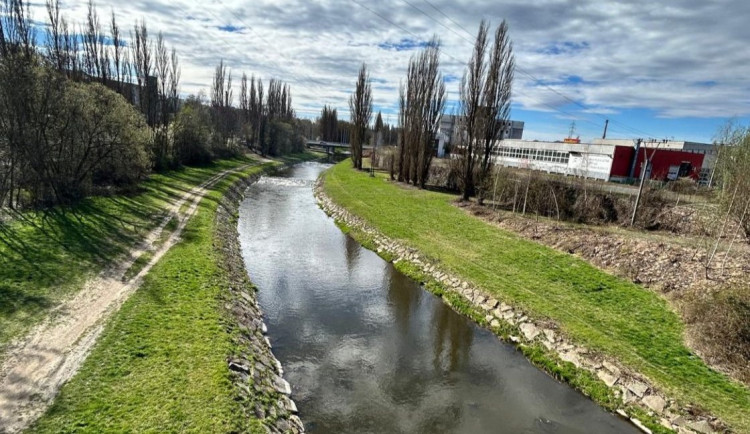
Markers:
50,249
12,300
54,246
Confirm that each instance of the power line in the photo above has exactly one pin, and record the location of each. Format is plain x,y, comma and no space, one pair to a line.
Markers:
520,69
443,25
448,54
449,18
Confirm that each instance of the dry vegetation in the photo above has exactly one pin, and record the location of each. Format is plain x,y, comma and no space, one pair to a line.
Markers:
714,302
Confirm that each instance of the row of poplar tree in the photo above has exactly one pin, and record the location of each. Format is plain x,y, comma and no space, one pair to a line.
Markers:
485,93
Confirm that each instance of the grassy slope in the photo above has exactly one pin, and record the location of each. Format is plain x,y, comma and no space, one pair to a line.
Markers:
45,257
600,311
160,364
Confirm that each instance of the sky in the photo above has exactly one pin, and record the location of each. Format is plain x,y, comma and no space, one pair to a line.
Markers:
674,69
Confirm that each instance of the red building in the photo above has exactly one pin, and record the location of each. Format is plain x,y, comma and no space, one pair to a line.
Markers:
666,164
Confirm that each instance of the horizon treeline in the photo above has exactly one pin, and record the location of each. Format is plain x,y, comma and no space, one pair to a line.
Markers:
96,108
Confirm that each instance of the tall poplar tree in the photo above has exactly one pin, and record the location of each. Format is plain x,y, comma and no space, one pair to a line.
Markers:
360,106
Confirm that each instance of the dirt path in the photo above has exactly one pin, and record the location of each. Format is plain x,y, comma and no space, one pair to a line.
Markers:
40,363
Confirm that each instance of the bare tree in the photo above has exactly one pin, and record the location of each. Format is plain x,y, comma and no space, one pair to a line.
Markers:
18,107
161,68
96,57
471,98
260,116
221,103
117,52
421,103
485,106
55,41
174,80
360,107
244,101
496,95
142,64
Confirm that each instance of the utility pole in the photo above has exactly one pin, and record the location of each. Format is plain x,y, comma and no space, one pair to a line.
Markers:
606,124
716,163
644,169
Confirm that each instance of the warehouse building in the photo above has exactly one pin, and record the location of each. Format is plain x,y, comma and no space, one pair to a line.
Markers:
611,159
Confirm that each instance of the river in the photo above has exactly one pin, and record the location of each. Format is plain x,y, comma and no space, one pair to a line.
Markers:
366,349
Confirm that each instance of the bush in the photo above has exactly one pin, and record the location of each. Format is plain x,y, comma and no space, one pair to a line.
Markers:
192,133
565,199
117,130
684,186
283,138
95,139
721,323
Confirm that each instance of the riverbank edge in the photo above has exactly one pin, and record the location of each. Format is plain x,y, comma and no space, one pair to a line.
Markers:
257,375
603,379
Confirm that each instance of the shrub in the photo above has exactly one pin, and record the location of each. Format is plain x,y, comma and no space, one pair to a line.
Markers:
192,133
720,320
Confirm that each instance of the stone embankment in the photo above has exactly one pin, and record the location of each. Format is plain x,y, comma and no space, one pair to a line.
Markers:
632,389
255,371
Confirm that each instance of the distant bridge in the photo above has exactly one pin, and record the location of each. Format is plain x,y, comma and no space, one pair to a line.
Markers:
329,147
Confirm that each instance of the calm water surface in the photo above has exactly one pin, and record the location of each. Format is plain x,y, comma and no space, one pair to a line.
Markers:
367,350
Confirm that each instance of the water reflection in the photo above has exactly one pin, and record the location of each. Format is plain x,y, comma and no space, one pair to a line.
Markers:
367,350
452,340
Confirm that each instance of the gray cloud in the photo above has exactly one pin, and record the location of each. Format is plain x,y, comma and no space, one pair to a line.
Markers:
678,58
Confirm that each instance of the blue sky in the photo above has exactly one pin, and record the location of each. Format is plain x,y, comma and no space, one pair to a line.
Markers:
672,69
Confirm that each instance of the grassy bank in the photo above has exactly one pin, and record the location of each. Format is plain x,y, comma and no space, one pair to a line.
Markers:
160,364
598,310
46,256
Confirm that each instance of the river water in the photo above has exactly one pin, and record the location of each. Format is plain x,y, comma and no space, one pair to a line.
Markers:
366,349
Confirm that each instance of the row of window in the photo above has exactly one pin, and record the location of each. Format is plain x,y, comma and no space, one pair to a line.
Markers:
534,154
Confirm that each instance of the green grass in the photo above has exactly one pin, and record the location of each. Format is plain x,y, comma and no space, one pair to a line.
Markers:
46,256
143,260
160,364
598,310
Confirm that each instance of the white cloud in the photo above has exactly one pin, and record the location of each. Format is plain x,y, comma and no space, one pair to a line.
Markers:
684,58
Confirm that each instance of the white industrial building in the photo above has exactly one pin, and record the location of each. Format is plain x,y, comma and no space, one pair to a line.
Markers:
577,159
611,159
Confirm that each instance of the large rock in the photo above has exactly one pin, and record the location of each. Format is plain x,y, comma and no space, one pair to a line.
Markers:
638,388
571,357
655,402
607,378
530,331
289,405
549,334
611,368
239,367
281,385
701,426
